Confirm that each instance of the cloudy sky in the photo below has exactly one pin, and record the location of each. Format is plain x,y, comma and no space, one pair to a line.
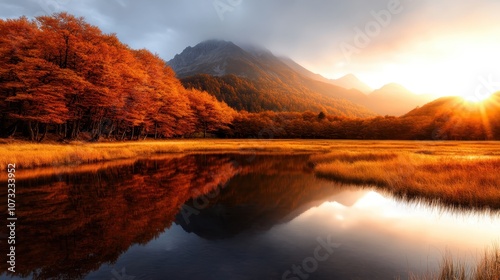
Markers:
442,47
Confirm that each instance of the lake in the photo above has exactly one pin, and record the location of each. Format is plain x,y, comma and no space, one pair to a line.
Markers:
229,216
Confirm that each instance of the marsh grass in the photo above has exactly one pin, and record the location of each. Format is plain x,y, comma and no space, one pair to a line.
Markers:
457,173
31,155
466,179
487,268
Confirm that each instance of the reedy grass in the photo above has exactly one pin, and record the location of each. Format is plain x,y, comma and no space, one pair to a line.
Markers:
461,180
487,268
457,173
31,155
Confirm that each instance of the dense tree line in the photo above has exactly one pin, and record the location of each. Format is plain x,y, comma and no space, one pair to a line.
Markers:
63,76
444,119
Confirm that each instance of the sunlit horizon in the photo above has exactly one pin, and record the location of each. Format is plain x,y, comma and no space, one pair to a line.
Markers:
459,65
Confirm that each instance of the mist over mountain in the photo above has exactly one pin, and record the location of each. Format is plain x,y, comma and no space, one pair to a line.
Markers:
255,80
216,58
304,72
252,78
350,81
394,99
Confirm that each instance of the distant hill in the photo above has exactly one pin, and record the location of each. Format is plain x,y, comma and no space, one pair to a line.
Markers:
394,99
350,81
255,80
457,106
455,118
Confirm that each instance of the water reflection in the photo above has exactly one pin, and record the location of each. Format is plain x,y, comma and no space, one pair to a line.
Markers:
225,217
72,223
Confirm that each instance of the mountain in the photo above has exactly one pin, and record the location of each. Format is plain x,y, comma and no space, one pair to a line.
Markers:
303,71
394,99
216,58
253,79
350,81
259,198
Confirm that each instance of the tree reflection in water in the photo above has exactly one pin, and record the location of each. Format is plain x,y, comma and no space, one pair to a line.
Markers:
71,223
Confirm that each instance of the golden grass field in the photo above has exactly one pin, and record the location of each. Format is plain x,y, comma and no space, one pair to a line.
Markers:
30,155
456,173
465,173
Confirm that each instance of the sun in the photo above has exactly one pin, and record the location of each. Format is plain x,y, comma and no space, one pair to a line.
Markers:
480,96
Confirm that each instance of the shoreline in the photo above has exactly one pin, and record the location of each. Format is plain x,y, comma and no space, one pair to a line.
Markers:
28,155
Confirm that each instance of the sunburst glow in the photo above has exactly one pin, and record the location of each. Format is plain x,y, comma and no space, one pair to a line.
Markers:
478,98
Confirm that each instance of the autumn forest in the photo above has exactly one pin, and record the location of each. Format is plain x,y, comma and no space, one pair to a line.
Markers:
64,79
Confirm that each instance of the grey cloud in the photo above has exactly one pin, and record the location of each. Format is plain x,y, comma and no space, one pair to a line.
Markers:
309,31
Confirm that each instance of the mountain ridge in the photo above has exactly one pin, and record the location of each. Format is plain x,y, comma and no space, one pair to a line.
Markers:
276,78
350,81
262,75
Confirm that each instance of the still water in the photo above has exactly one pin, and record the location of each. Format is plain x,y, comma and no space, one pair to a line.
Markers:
233,216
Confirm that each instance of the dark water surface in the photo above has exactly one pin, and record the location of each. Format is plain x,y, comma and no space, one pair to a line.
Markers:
227,217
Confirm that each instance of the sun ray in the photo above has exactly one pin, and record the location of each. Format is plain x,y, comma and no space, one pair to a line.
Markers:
485,120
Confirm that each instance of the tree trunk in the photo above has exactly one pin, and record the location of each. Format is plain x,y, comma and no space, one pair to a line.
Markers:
139,135
30,131
77,130
13,131
72,133
44,132
37,129
111,129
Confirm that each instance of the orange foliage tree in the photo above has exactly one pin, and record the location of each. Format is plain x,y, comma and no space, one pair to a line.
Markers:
210,115
61,75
